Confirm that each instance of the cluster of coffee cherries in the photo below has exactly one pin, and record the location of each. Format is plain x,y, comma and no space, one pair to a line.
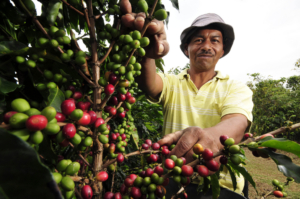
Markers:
66,168
41,47
207,163
256,150
30,124
279,188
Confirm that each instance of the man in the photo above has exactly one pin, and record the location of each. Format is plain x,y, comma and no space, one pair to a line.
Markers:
200,104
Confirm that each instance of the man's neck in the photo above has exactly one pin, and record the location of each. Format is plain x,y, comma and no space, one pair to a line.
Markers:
200,78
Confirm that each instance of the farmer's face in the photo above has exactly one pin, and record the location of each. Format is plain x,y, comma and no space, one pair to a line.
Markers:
205,49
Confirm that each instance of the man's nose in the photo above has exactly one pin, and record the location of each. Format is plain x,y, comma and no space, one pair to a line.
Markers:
206,46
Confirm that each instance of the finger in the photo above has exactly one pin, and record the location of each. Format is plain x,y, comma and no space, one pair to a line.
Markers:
139,21
155,27
161,47
185,143
128,20
170,138
189,156
125,6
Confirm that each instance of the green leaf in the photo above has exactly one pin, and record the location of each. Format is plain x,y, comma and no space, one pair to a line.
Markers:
232,174
149,126
7,86
22,173
52,11
215,186
55,98
46,150
245,173
175,4
134,139
285,164
159,64
281,144
7,47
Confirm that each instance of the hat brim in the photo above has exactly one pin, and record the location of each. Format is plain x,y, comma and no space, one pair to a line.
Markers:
227,30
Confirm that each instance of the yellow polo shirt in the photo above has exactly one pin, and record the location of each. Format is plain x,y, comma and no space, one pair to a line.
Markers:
184,106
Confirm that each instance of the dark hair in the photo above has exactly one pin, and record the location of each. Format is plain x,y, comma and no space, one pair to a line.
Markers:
210,26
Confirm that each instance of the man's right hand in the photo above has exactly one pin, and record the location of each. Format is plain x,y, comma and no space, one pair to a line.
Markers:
159,46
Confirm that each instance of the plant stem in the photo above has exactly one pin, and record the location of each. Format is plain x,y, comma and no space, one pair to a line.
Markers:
38,24
70,6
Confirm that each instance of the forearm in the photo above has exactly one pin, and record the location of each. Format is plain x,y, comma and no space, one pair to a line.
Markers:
149,81
232,126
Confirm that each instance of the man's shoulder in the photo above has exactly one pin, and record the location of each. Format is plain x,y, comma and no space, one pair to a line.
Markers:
231,83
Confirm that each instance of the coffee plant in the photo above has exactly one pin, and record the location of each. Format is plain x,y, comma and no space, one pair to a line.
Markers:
69,126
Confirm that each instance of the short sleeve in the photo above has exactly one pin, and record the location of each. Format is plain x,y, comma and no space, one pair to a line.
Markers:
238,100
165,91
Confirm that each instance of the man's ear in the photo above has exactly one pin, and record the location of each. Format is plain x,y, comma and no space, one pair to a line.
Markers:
186,52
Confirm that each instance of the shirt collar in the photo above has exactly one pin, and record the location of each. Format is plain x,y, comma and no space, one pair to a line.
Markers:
219,75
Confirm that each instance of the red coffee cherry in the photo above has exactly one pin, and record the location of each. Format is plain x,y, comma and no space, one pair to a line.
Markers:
77,95
112,111
69,131
8,115
128,95
223,138
113,78
278,194
187,170
169,164
128,182
67,107
86,192
36,123
132,176
108,195
185,195
120,158
149,172
212,165
155,146
118,195
159,170
248,135
131,100
122,115
93,116
121,97
149,142
84,120
113,101
223,160
102,176
165,152
207,154
203,171
153,158
109,89
135,192
98,122
123,189
184,160
81,105
60,117
144,146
